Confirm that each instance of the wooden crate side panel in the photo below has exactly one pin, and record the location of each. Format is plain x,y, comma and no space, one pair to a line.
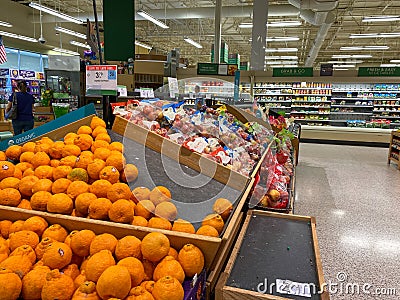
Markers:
231,293
208,245
283,216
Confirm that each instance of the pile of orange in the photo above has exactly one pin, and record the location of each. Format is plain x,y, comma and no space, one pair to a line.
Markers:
86,175
38,261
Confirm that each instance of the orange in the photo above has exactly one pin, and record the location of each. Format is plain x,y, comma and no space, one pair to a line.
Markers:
114,282
84,130
99,144
28,147
42,147
103,137
98,263
183,226
17,173
12,182
26,184
54,163
78,174
155,246
36,224
169,267
46,140
69,161
61,172
139,293
141,193
56,149
86,290
121,211
19,264
223,207
172,252
116,160
43,172
207,230
159,194
3,156
40,199
100,188
56,232
80,242
215,221
98,130
119,191
83,141
97,122
7,169
166,210
80,280
60,204
69,138
42,185
32,283
148,269
26,157
28,172
57,255
110,174
128,246
69,237
168,288
95,167
71,270
57,286
71,150
25,250
60,186
5,228
13,152
24,166
84,159
135,268
129,173
139,221
83,201
10,197
16,226
103,241
160,223
23,237
40,159
76,188
101,153
98,209
42,246
25,204
191,259
148,285
10,285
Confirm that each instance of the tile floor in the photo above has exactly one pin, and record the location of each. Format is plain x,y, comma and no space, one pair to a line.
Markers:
355,197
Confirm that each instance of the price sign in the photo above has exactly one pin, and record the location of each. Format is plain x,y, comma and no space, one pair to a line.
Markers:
173,87
101,78
146,93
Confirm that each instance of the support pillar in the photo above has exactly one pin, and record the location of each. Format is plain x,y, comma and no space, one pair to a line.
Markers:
259,35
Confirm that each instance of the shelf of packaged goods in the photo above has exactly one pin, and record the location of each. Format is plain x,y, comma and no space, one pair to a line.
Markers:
309,106
314,120
387,105
350,113
312,88
315,95
365,91
280,94
274,101
310,113
274,87
385,117
279,107
352,106
353,98
307,101
386,111
396,147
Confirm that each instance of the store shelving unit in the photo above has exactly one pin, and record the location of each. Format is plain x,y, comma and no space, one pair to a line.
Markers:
278,97
394,148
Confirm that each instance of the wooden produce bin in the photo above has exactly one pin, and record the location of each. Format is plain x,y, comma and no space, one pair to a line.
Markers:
269,248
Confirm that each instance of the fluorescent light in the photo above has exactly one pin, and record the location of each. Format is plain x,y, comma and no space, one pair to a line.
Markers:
5,24
374,35
389,65
283,39
345,62
17,36
357,48
190,41
55,13
152,19
395,61
78,44
65,51
284,66
341,69
143,45
281,62
381,19
246,25
284,24
352,56
70,32
281,50
281,57
344,66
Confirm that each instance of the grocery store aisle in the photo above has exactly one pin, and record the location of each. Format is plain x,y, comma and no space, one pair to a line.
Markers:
355,197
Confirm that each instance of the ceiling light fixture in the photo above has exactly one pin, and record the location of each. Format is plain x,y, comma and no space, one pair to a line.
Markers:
389,65
352,56
78,44
246,25
395,61
149,17
284,66
270,50
143,45
341,69
190,41
374,35
70,32
345,62
281,62
344,66
357,48
381,19
17,36
65,51
281,57
5,24
284,24
283,39
55,13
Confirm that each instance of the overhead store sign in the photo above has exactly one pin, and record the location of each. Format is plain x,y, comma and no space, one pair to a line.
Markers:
4,72
25,74
378,71
293,72
101,78
216,69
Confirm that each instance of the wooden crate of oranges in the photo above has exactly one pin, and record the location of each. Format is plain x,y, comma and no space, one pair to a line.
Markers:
45,260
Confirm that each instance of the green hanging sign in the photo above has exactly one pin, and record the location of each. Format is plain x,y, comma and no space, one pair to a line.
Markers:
293,72
378,71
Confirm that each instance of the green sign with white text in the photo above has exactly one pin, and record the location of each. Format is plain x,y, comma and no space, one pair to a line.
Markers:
293,72
207,69
378,71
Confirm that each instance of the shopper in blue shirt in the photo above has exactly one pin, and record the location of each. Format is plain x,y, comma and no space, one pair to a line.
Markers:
25,106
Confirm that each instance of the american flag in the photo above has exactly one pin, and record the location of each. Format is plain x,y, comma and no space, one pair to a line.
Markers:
3,55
